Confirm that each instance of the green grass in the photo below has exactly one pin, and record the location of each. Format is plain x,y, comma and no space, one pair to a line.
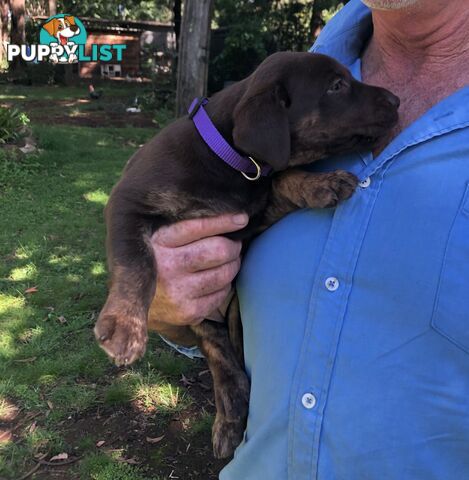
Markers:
52,241
103,467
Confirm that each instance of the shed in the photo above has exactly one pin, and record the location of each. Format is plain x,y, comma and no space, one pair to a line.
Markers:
145,40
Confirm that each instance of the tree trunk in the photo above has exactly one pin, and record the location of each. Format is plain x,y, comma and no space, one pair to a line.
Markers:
52,8
4,30
18,32
177,20
194,50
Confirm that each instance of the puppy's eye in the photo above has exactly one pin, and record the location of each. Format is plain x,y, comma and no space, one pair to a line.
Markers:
60,27
337,85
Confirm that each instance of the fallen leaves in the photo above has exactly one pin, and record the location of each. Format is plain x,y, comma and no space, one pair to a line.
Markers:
25,360
130,461
5,436
60,456
155,440
31,290
100,443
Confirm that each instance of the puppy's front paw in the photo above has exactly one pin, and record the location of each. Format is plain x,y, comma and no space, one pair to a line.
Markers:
331,188
124,338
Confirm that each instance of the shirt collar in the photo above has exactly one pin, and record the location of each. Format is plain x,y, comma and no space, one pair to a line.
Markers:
345,37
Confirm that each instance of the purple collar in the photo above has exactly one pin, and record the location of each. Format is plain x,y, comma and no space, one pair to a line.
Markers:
215,141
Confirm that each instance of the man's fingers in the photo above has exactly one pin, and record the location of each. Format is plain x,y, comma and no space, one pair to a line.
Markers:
205,306
188,231
210,253
215,279
197,285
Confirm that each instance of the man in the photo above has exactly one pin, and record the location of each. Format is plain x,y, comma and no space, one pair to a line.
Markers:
356,320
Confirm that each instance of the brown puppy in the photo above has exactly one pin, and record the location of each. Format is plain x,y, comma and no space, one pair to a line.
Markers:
294,109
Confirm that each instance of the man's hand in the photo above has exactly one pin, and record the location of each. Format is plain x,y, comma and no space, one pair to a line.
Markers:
195,267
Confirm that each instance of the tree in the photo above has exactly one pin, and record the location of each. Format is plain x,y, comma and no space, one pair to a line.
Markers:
177,9
52,8
4,30
193,55
18,31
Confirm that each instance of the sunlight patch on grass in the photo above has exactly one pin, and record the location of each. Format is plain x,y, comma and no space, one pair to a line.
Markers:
73,278
8,303
13,97
7,409
97,196
163,396
31,334
64,260
24,252
26,272
100,466
151,390
47,379
98,268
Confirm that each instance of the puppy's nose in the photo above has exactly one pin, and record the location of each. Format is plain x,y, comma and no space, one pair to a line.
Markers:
392,99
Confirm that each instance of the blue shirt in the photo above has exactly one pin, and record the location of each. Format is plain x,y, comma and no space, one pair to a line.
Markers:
356,320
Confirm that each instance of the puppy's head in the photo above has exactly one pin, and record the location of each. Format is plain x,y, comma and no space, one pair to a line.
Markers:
300,107
62,28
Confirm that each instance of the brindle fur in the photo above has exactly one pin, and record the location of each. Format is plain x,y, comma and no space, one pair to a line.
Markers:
284,114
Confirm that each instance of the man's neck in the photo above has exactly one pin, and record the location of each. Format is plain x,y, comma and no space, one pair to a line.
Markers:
423,40
420,54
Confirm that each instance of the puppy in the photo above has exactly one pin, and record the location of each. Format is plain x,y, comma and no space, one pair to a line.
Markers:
294,109
63,29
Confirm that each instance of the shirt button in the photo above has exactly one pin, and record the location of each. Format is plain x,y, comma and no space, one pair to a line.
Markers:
365,183
332,284
308,400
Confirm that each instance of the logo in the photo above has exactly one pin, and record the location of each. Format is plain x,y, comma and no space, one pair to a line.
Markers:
62,39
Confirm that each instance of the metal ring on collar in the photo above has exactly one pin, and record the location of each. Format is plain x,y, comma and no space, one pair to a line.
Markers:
258,174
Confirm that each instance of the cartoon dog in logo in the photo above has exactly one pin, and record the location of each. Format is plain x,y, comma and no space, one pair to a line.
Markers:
63,29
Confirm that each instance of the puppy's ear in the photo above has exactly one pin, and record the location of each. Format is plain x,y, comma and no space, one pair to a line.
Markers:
261,127
70,19
51,27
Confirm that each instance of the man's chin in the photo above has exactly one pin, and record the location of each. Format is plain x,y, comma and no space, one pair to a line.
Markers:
390,4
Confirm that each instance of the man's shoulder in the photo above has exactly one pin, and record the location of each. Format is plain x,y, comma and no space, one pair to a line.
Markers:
344,35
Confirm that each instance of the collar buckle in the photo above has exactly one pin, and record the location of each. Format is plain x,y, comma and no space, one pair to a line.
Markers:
258,173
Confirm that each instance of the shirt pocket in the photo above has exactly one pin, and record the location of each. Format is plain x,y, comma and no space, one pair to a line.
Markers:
451,312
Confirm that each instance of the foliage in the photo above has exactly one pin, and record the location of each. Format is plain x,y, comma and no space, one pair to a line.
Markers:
159,10
12,123
253,29
329,12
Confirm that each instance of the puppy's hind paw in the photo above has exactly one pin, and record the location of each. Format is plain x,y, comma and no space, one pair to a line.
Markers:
226,436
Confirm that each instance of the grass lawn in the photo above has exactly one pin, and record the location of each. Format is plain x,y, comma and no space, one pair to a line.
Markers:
58,392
